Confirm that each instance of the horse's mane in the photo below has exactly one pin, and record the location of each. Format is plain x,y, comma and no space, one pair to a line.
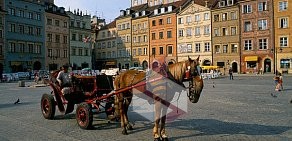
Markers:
177,70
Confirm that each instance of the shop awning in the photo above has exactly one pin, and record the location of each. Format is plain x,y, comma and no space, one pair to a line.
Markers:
110,63
209,67
251,58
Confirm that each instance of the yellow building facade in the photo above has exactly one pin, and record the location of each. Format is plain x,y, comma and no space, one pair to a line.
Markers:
283,35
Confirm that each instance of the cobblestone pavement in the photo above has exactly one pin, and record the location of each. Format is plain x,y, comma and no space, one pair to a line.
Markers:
228,110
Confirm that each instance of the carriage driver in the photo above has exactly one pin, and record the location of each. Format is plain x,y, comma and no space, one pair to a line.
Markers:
64,79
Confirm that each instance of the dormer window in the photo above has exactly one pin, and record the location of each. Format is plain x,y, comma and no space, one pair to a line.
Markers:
128,11
137,14
169,9
122,13
162,10
143,13
155,11
230,2
222,3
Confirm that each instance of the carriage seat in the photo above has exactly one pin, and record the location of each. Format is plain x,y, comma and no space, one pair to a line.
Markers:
104,84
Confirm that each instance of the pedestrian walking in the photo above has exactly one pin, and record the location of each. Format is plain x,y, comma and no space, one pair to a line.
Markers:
230,73
280,83
276,80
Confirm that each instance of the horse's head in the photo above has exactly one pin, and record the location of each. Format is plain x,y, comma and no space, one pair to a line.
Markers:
196,83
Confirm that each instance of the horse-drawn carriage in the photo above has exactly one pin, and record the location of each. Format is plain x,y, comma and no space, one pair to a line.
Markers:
90,91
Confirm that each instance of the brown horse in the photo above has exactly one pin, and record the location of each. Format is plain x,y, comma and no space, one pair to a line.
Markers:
136,79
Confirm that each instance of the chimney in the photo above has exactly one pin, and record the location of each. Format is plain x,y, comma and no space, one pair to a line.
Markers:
206,3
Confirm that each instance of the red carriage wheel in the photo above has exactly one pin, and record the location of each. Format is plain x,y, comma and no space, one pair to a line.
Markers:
84,115
48,106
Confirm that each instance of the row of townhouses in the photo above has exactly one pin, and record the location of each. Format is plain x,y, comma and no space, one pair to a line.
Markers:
245,35
38,35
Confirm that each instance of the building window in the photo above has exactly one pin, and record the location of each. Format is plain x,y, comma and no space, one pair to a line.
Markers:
50,52
207,47
57,38
73,51
262,24
80,52
160,35
12,11
216,18
12,47
65,53
189,31
12,28
180,21
180,33
233,30
30,30
21,29
207,30
224,16
247,26
189,19
283,41
153,36
168,20
30,48
57,23
247,45
109,44
262,6
216,32
197,31
169,35
50,39
73,37
197,18
38,31
283,5
169,49
21,47
198,47
139,51
251,64
233,15
153,23
233,48
134,52
263,44
217,48
65,39
160,50
224,31
225,48
37,49
206,16
49,21
145,51
285,63
189,48
283,23
246,9
153,51
160,21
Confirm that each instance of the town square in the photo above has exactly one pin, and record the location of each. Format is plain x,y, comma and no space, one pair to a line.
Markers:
239,109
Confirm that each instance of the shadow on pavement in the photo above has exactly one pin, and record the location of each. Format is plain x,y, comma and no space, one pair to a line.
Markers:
207,127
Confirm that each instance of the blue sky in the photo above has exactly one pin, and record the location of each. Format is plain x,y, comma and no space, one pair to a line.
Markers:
107,9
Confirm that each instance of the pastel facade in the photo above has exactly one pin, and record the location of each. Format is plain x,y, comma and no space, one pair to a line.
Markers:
257,31
283,36
25,36
80,40
225,36
194,33
106,46
2,35
57,37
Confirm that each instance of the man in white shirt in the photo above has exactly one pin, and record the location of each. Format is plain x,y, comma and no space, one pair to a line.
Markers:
64,79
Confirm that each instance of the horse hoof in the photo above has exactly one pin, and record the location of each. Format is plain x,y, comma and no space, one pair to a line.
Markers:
124,132
157,139
129,127
164,139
